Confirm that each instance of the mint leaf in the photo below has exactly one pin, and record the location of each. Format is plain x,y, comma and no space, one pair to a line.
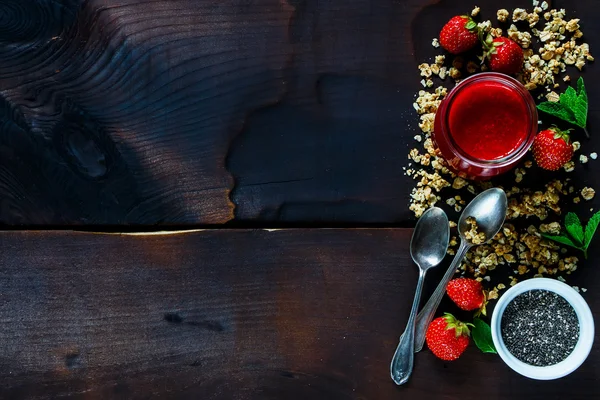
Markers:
578,238
580,108
482,336
572,106
557,110
574,228
581,87
580,112
561,239
568,98
590,229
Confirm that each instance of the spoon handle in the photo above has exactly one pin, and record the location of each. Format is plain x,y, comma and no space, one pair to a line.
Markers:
429,309
402,362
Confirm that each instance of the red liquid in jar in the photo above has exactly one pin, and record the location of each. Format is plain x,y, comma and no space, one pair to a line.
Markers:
489,120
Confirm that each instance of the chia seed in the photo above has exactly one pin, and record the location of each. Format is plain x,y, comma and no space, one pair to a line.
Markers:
540,328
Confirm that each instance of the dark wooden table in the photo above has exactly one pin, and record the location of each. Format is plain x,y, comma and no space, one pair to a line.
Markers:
232,117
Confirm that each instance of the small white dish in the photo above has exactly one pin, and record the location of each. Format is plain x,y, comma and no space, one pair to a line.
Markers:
586,329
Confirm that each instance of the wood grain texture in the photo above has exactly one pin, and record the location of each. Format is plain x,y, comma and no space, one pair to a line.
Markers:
289,314
122,111
196,112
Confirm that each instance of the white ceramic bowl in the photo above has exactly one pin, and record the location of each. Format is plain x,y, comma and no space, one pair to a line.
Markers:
586,330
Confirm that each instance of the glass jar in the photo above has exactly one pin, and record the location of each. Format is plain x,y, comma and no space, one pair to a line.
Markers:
485,125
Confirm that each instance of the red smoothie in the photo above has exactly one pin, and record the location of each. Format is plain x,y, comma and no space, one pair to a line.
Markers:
485,125
489,120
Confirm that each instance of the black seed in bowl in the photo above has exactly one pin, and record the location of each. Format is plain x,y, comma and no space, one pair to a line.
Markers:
540,328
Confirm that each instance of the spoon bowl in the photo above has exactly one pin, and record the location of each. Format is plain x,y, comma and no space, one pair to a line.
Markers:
489,210
430,239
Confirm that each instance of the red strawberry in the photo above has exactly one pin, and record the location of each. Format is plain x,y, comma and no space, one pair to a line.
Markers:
447,338
459,34
468,294
552,149
504,55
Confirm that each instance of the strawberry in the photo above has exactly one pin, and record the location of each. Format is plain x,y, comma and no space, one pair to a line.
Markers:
504,54
447,338
552,149
468,294
459,34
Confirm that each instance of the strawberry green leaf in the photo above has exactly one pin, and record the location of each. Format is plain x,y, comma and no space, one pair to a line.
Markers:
482,336
590,229
574,228
561,239
471,25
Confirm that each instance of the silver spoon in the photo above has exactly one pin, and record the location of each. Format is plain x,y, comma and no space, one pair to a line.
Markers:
428,247
489,209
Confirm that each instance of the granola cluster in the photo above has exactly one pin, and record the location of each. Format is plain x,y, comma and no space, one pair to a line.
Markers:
559,43
523,250
549,51
559,47
473,235
526,253
524,203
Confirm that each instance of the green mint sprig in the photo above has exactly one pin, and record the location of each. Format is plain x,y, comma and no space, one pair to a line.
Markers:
571,107
482,336
575,236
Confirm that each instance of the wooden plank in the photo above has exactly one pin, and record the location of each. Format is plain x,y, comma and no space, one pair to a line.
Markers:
187,112
252,314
